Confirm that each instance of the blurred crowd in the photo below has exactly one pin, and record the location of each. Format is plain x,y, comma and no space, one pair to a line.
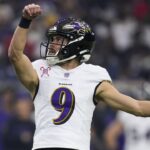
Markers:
122,30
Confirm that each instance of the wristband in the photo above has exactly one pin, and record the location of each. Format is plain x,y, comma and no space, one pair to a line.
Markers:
24,23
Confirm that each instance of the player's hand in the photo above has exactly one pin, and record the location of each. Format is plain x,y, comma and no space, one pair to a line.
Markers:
31,11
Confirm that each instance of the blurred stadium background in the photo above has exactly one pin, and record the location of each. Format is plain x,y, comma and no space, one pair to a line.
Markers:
123,46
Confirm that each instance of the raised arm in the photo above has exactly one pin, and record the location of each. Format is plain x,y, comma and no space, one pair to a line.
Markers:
109,94
23,67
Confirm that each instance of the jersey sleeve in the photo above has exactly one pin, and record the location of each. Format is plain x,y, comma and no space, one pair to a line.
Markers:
101,74
97,75
105,75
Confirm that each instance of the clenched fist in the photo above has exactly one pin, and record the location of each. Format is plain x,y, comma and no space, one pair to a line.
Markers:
31,11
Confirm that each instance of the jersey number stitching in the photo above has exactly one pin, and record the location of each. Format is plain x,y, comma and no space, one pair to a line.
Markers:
63,100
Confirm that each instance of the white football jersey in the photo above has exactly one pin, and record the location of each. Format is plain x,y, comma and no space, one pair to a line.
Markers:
64,105
136,130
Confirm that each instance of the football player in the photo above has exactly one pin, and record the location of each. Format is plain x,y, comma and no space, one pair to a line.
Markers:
63,86
135,129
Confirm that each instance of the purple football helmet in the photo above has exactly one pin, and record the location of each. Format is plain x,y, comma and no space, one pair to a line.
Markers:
80,36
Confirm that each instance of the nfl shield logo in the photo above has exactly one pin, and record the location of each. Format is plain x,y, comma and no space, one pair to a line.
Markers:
66,75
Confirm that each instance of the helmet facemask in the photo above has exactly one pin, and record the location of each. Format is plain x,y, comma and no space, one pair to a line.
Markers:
54,48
